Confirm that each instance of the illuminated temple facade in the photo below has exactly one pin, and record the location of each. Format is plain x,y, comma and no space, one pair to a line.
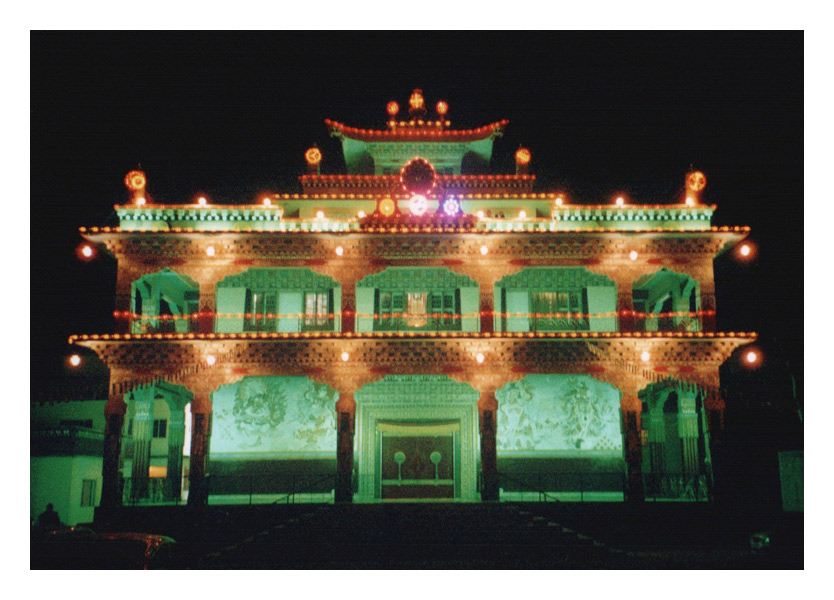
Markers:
414,329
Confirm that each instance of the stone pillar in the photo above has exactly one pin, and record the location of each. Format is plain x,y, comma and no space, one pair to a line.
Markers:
205,322
625,307
688,432
142,436
633,457
197,485
176,438
111,486
487,409
345,427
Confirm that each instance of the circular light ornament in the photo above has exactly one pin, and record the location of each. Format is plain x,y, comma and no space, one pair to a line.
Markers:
523,156
75,360
620,201
696,181
418,205
86,252
387,207
211,359
442,108
633,255
484,250
480,214
560,201
361,214
418,176
522,214
645,356
345,357
451,207
320,215
313,156
202,201
339,251
751,357
392,108
267,202
690,201
745,250
479,357
135,181
140,201
210,251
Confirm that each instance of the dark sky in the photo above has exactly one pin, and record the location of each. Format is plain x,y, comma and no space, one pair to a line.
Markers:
231,114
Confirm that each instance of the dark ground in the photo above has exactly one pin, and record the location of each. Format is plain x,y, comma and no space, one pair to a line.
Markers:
471,536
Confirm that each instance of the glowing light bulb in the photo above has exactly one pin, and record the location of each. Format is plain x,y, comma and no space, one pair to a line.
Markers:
480,214
620,201
345,356
202,201
645,356
479,357
484,250
267,202
751,357
559,201
320,215
75,360
744,250
87,251
690,201
210,251
522,215
633,255
211,359
140,201
339,250
361,214
418,205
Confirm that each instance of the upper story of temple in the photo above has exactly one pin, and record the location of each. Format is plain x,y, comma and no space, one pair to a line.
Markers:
416,224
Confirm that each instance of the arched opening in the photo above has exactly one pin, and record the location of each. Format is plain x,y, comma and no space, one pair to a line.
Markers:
163,302
671,301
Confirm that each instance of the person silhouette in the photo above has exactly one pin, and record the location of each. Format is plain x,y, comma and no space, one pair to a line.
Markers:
49,520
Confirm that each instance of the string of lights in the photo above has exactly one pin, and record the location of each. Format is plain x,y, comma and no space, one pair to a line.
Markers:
435,315
262,335
450,228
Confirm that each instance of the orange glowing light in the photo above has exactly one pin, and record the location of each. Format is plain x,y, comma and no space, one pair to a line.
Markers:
313,156
745,250
523,156
416,101
442,108
690,201
202,201
392,108
75,360
696,181
86,251
559,201
267,202
387,207
135,181
140,201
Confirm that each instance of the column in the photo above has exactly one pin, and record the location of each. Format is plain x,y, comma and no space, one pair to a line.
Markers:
200,417
487,408
625,303
345,427
688,432
111,487
142,437
176,438
657,438
633,457
205,322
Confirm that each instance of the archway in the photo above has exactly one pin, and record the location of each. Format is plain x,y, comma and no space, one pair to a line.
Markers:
164,294
670,299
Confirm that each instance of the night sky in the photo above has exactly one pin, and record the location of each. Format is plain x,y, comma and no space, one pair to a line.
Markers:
230,116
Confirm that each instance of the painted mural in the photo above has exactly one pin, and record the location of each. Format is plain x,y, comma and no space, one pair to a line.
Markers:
279,416
558,413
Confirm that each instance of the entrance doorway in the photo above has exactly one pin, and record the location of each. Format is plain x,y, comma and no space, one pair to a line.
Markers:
417,460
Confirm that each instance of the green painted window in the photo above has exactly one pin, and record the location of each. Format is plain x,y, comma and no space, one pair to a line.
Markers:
257,306
160,428
316,311
417,311
88,492
548,306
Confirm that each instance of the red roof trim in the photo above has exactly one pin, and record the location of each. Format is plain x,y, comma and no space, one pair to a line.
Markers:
411,134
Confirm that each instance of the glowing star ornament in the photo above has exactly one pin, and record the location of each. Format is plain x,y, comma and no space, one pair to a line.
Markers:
451,207
418,205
